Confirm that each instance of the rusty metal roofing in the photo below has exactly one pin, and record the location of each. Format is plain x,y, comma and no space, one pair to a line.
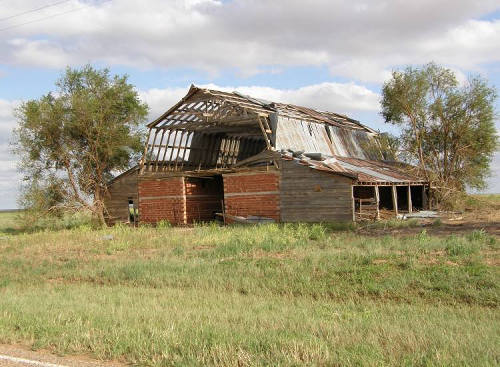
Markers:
264,107
362,170
197,118
299,135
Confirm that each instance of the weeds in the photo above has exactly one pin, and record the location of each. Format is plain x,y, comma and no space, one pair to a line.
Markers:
277,294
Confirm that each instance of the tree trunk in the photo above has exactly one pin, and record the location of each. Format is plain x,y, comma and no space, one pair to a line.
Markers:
98,208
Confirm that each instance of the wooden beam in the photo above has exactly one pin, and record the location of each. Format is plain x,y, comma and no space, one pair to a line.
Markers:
143,159
159,150
167,167
151,162
264,133
377,201
179,151
353,204
425,202
395,199
166,146
410,204
185,150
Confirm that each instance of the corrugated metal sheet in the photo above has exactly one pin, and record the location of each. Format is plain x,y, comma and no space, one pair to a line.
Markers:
311,137
300,135
354,143
364,171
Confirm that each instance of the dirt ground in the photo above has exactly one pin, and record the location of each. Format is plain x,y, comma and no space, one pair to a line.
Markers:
485,218
445,229
19,356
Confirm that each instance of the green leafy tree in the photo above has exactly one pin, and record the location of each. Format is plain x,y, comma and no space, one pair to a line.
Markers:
447,129
72,140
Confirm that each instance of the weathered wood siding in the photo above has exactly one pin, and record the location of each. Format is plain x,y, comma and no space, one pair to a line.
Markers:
309,195
120,190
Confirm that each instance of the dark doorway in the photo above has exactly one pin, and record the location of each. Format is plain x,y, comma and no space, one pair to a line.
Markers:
385,197
417,197
402,193
204,197
133,212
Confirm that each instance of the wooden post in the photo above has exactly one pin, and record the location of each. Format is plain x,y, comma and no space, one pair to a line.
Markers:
395,199
377,202
424,199
353,204
410,204
143,159
223,212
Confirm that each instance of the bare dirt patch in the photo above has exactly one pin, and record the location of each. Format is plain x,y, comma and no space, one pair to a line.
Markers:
446,228
21,352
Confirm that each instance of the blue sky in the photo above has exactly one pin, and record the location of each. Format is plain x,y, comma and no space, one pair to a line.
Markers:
332,55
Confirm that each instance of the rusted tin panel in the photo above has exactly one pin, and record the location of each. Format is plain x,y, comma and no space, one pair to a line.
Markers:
301,135
365,171
353,143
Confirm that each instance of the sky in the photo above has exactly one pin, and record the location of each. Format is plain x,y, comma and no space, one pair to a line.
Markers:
328,54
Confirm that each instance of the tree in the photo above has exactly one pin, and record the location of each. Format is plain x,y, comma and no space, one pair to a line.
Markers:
447,129
72,140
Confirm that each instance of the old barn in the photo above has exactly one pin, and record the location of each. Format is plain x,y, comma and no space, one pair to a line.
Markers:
217,154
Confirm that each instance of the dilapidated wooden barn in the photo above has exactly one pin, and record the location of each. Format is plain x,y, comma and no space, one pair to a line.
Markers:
217,153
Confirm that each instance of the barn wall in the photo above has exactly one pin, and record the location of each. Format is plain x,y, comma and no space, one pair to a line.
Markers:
255,193
162,199
203,198
119,193
309,195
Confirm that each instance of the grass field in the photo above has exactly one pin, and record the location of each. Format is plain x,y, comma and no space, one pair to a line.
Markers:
237,296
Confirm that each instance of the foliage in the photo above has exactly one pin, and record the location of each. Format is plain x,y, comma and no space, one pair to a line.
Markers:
448,129
384,146
389,146
72,140
42,198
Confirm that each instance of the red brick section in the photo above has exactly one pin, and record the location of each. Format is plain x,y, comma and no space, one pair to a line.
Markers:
252,194
162,200
203,198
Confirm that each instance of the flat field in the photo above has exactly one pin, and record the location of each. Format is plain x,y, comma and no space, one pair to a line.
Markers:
265,295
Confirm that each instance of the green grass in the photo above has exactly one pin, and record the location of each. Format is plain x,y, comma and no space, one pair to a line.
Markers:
9,222
266,295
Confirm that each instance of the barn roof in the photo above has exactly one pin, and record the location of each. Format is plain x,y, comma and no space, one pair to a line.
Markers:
263,107
361,170
218,130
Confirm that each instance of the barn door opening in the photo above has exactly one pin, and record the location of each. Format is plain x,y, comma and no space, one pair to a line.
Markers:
204,197
133,212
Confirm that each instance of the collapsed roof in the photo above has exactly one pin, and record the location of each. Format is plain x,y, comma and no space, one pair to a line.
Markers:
216,130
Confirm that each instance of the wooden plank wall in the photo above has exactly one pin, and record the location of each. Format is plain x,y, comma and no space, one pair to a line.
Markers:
120,191
309,195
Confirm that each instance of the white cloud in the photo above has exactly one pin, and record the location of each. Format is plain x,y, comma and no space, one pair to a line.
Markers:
160,100
355,39
9,177
494,180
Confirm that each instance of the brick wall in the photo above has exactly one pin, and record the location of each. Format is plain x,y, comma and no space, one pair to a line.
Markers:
252,194
203,198
162,200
